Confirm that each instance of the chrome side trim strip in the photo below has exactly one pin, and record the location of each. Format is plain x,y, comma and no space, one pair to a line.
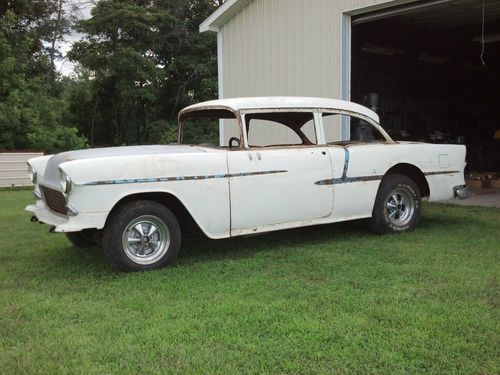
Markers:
181,178
347,180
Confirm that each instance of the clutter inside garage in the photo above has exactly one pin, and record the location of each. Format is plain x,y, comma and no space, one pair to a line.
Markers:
432,73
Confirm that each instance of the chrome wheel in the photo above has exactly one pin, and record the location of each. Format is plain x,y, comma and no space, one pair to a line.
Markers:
400,207
146,239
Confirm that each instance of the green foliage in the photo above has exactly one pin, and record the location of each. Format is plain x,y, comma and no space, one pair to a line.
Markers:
165,132
200,131
58,139
31,107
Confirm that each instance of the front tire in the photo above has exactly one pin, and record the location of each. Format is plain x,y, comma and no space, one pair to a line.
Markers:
397,206
142,236
85,238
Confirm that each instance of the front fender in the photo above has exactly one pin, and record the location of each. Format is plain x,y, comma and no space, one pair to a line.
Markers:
207,201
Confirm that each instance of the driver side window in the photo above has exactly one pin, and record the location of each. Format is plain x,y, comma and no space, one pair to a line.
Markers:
230,131
280,129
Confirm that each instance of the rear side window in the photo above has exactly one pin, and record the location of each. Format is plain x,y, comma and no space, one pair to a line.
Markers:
359,130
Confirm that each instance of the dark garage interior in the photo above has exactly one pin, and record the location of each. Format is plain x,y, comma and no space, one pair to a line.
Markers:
420,68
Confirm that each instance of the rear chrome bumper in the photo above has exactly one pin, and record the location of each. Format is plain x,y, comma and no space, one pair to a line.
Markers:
461,192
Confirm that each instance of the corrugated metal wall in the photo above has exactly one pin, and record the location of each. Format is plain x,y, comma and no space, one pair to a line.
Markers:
286,47
278,47
13,168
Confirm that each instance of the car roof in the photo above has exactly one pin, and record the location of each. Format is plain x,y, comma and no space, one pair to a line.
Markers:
288,102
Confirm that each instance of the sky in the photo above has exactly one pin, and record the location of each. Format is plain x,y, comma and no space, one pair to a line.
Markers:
64,66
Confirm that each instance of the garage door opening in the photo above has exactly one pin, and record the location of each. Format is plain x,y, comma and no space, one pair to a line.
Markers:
420,69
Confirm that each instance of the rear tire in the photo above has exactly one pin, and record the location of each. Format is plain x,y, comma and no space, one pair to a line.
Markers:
397,206
142,236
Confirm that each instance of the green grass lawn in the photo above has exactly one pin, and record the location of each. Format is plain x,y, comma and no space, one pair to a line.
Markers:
329,299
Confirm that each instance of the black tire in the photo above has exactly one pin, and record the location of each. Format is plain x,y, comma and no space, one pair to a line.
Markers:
160,249
85,238
398,205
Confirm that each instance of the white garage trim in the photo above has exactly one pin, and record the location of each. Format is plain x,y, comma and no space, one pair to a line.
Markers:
346,72
397,11
223,14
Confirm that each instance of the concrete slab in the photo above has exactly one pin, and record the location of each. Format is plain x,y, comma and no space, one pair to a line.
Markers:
489,197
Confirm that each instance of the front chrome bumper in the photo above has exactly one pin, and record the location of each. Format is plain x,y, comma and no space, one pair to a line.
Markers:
461,192
86,220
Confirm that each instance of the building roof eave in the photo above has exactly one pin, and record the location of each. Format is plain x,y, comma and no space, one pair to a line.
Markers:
222,15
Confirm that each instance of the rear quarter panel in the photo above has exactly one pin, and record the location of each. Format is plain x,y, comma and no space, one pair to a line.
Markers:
442,165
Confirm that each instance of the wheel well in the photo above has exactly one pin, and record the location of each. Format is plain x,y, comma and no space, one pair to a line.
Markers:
186,221
414,173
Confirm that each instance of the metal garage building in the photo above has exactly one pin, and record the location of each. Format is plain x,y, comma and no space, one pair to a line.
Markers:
416,63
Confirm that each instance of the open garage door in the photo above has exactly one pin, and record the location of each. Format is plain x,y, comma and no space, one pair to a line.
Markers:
420,67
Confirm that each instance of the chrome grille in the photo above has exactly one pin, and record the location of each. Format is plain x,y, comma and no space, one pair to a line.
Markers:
54,200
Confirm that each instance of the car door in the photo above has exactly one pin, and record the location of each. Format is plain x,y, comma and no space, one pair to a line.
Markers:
357,164
272,186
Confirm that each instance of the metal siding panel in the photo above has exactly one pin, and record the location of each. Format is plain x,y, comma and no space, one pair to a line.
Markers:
259,61
244,46
227,43
249,74
13,169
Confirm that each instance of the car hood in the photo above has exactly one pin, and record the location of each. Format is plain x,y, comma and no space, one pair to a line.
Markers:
51,176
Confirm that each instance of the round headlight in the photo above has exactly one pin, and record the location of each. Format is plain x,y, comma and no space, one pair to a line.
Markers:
65,182
32,174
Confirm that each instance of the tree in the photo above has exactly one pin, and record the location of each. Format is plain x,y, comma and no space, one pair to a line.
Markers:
146,60
31,108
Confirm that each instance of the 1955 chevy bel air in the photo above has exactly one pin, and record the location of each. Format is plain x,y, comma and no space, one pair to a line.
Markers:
242,166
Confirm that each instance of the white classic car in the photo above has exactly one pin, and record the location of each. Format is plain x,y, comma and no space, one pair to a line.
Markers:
242,166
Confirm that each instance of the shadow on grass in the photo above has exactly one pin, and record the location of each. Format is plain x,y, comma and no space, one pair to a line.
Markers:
204,248
242,247
442,222
72,262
